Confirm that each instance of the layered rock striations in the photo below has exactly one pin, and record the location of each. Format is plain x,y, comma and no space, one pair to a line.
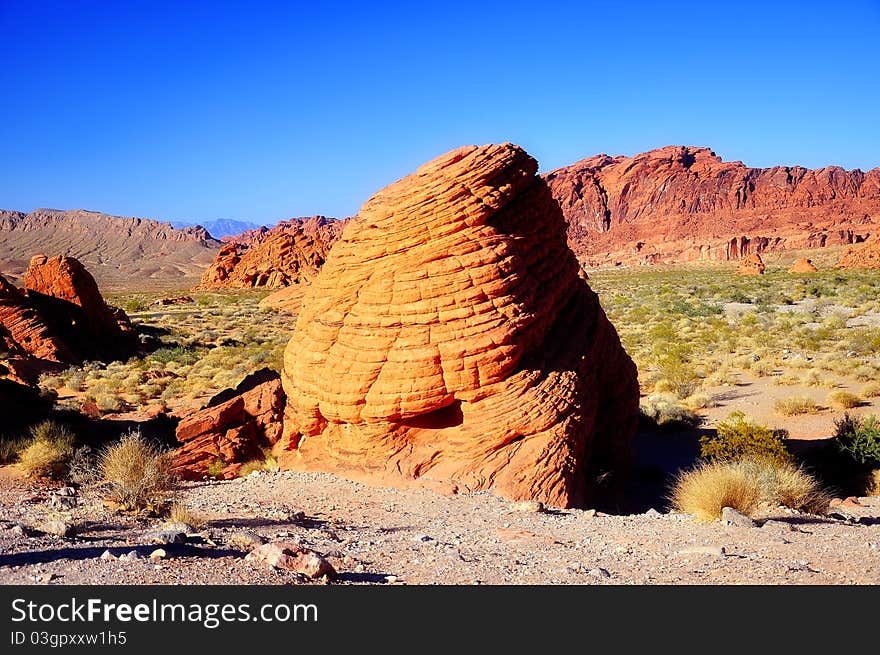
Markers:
234,428
451,341
679,203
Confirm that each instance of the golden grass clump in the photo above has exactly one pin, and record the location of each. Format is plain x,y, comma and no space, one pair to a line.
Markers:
138,473
796,406
871,390
47,453
743,485
844,399
705,490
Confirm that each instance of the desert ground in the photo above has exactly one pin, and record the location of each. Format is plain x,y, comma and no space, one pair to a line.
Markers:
790,351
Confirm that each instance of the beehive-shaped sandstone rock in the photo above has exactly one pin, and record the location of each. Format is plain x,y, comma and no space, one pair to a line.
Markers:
803,265
451,342
751,265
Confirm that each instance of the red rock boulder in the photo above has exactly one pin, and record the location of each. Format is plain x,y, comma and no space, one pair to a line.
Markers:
751,265
803,265
234,428
451,341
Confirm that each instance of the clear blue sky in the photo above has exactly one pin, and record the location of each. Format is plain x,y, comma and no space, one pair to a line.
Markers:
260,110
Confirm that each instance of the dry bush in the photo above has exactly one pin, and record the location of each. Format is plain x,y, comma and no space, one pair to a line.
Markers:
871,390
711,486
138,472
249,467
48,451
844,399
795,406
744,484
667,411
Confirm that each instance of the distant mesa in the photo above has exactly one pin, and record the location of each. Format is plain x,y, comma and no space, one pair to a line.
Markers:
290,253
751,265
681,203
451,341
866,255
59,319
803,265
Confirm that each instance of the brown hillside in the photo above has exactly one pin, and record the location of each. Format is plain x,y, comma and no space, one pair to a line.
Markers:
115,249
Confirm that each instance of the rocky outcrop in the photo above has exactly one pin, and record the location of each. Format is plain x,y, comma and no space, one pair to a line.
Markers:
288,299
280,257
60,318
234,428
866,255
682,203
751,265
116,249
803,265
451,341
320,228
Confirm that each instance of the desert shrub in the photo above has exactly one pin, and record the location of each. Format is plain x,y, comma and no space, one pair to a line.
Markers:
844,399
249,467
215,468
698,401
871,390
859,439
135,305
763,368
795,406
180,512
10,448
83,466
740,438
109,402
744,484
138,472
705,490
666,411
48,451
665,386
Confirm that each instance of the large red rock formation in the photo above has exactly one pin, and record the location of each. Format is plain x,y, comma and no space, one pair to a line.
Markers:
803,265
866,255
682,203
233,428
450,341
320,228
60,318
751,265
285,255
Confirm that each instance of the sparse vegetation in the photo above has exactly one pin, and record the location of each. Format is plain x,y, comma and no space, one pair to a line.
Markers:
796,405
138,473
180,512
667,411
740,438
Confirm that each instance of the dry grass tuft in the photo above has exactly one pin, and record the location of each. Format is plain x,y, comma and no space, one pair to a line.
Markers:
743,485
138,472
180,512
844,399
796,405
48,451
711,486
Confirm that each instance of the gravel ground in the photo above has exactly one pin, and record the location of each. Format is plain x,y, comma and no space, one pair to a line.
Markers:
387,536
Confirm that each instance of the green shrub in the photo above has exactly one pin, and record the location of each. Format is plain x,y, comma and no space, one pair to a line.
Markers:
859,439
741,438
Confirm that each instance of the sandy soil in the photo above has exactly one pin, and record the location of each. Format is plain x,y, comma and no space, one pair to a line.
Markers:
386,536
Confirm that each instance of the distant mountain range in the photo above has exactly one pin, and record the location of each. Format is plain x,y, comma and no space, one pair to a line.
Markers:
222,227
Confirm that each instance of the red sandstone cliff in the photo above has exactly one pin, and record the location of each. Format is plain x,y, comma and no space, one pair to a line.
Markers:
682,203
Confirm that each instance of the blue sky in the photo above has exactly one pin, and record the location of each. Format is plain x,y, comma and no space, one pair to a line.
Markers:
260,111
